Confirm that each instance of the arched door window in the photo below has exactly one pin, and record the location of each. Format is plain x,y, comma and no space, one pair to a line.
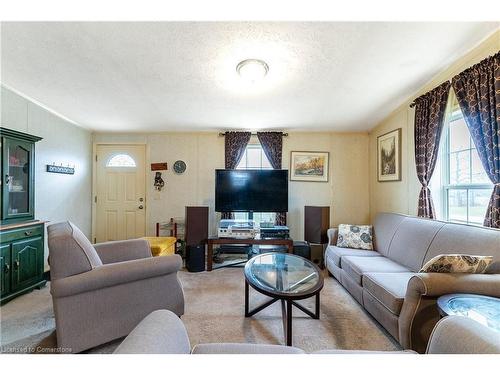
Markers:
121,160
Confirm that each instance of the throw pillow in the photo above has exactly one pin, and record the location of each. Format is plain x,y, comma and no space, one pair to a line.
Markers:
457,263
355,236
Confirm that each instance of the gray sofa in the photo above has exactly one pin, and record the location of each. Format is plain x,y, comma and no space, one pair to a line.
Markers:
101,292
162,332
387,283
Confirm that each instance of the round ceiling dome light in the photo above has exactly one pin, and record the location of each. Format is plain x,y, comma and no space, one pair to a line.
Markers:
252,70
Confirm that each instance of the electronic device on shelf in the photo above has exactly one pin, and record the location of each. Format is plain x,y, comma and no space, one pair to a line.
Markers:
237,229
277,231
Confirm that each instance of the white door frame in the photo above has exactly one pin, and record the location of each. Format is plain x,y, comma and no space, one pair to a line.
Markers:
94,180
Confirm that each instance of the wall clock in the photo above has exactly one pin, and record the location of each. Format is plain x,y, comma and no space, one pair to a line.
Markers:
179,167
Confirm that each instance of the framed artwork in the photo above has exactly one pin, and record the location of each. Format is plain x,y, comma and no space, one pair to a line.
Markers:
389,156
309,166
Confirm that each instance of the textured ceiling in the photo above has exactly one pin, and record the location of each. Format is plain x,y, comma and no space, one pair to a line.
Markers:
160,76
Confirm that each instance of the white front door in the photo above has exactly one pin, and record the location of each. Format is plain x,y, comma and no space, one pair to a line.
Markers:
121,192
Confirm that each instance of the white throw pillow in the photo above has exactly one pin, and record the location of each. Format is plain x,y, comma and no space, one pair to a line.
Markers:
355,236
457,263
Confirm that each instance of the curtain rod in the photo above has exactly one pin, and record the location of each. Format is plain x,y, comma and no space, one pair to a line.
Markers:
224,134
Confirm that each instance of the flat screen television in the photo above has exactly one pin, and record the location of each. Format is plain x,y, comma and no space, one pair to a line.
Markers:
251,190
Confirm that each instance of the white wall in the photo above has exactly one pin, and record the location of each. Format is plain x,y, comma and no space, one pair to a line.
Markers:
58,197
346,192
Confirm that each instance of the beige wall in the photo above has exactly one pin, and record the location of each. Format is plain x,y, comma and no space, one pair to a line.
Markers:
345,192
402,196
58,197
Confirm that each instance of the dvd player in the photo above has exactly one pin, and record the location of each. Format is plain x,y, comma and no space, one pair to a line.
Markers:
278,231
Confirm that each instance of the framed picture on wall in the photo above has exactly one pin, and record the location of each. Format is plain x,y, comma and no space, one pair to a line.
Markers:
309,166
389,156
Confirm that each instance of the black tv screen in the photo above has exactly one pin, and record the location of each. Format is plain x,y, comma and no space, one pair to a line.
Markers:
251,190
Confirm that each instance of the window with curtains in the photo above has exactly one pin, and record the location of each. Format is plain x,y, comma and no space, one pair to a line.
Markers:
465,187
255,158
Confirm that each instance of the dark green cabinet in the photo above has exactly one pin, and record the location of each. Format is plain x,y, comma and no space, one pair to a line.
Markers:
21,237
18,176
5,264
22,250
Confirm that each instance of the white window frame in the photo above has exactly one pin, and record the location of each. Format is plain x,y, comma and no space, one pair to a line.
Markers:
453,113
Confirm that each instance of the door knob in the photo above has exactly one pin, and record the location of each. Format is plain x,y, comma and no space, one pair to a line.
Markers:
141,207
6,268
16,265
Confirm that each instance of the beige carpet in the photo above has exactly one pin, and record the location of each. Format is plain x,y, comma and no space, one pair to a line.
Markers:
215,313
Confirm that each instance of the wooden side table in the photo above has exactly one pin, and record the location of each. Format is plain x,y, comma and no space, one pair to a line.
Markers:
244,241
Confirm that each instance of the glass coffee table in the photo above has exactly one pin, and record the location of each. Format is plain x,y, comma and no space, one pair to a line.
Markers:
286,278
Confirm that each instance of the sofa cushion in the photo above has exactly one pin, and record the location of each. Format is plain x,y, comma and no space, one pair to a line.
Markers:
384,227
355,266
227,348
457,263
70,252
465,239
335,253
412,240
388,288
355,236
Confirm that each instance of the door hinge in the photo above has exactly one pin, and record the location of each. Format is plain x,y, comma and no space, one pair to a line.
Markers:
95,199
95,240
96,158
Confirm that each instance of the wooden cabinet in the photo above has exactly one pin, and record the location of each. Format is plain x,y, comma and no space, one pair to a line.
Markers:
18,176
21,237
22,250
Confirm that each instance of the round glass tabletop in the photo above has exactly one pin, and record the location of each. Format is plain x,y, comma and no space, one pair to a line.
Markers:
483,309
283,274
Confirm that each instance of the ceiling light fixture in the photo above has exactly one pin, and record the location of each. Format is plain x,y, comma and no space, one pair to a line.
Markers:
252,70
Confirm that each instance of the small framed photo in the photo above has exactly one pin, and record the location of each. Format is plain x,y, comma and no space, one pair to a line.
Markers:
309,166
389,156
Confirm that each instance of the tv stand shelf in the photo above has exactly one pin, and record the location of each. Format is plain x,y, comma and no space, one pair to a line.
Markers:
244,241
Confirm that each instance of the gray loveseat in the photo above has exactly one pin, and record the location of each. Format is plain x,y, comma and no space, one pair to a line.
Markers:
162,332
101,292
387,283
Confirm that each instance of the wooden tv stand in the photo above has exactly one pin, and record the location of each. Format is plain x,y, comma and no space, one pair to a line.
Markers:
244,241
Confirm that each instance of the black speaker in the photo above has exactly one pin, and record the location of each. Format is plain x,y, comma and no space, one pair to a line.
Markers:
316,224
196,225
195,258
302,249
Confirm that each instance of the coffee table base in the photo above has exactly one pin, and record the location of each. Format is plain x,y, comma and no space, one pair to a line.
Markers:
286,311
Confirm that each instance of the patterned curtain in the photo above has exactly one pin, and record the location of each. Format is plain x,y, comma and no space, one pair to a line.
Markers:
429,118
272,144
478,93
235,144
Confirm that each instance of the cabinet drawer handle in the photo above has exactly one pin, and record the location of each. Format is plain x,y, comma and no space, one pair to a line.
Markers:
16,264
28,233
6,268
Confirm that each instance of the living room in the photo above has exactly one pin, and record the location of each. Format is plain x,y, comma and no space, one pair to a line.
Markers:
180,186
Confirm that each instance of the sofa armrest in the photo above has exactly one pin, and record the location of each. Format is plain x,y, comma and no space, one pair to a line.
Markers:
438,284
115,274
461,335
332,234
419,313
121,251
161,332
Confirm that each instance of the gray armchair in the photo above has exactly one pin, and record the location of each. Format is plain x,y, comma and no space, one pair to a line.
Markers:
100,293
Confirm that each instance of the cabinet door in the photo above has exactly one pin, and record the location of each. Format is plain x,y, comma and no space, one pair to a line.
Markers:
17,187
27,262
5,269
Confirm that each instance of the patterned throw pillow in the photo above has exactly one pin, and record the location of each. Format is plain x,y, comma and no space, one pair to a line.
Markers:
355,236
457,263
